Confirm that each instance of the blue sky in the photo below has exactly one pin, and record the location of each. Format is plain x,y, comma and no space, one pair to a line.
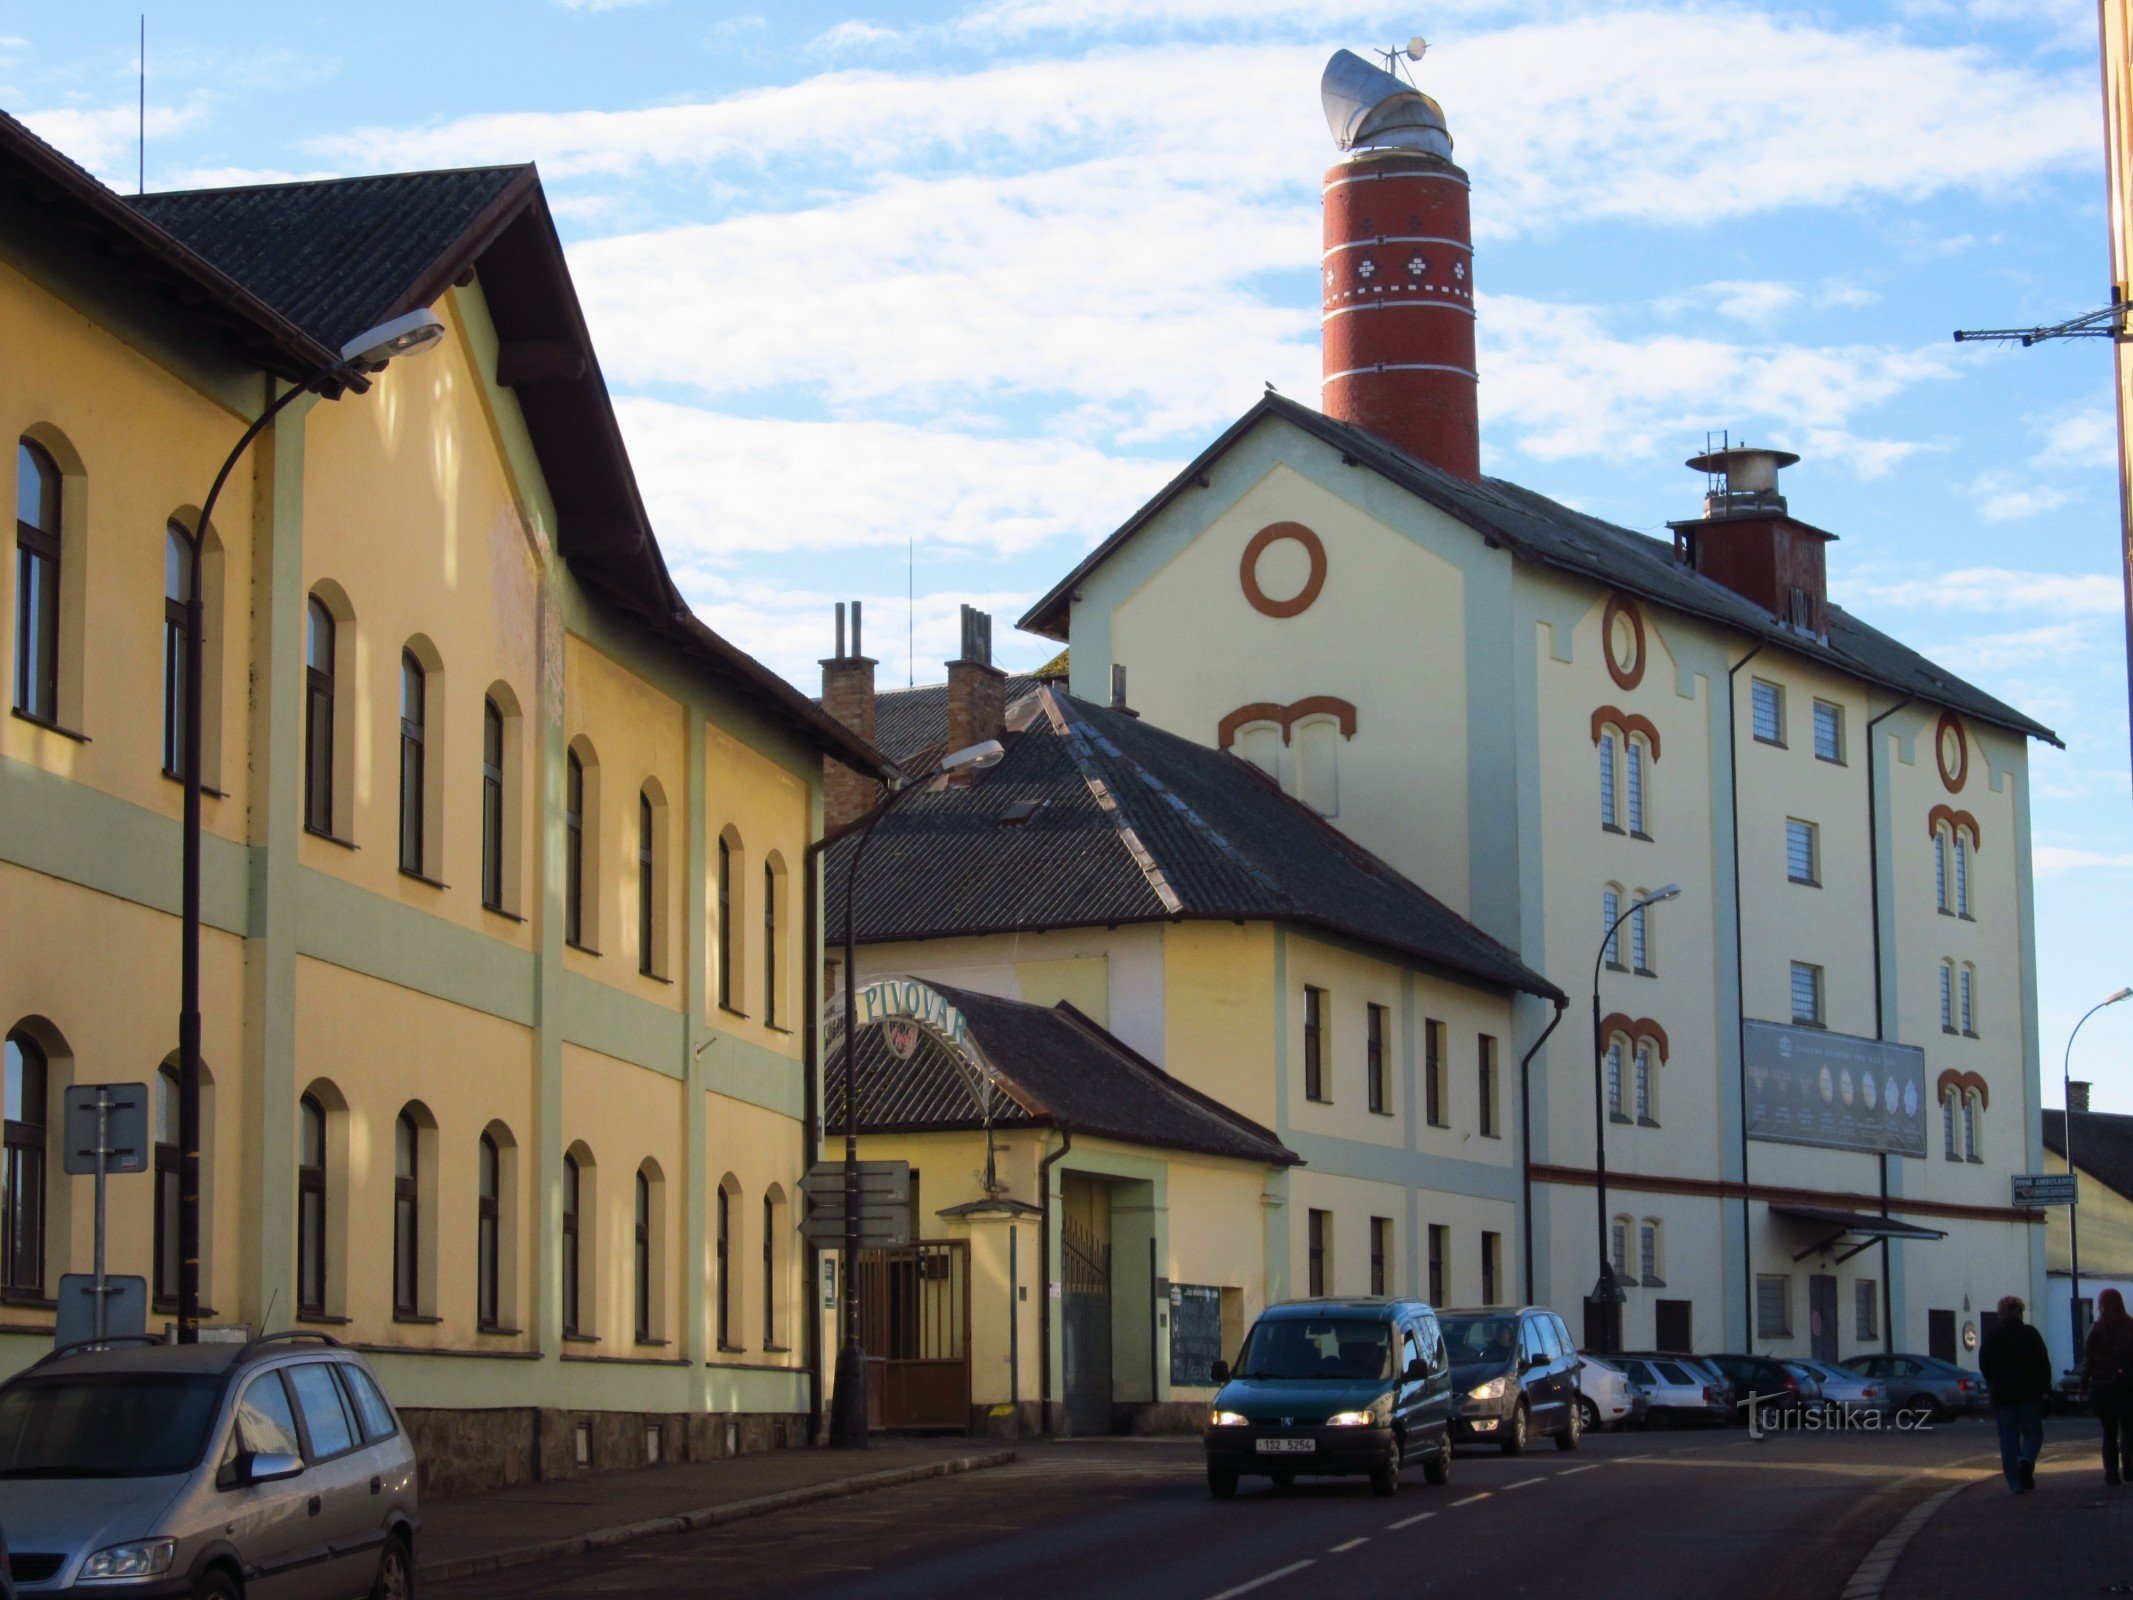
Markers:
968,281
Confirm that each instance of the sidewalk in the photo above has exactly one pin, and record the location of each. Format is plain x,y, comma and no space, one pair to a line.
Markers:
544,1521
2071,1537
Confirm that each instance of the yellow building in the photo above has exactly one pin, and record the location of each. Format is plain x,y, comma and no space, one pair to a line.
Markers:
507,876
2103,1158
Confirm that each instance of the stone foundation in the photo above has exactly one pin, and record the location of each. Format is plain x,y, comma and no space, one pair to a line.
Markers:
471,1452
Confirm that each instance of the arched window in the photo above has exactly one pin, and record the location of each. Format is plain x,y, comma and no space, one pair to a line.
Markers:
729,910
1970,1129
1940,868
414,740
311,1208
573,1259
488,1235
1962,876
1610,915
723,1262
1635,755
1644,1084
772,1299
1260,744
1614,1079
321,653
1318,771
1607,780
22,1165
166,1221
1967,985
651,882
643,1262
1649,1261
177,586
407,1215
1947,997
1947,1126
574,850
37,578
1618,1247
492,805
773,893
1640,949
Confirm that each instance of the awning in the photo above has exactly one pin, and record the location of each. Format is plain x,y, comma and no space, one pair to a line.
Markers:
1866,1227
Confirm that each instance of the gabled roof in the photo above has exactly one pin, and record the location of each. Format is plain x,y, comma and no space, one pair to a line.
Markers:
2103,1145
1057,1068
911,725
342,255
1536,529
1128,823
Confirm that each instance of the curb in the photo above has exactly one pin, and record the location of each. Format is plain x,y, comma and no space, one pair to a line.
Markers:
1872,1577
707,1517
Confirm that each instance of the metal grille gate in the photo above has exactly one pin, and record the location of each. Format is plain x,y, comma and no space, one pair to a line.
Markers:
914,1311
1085,1306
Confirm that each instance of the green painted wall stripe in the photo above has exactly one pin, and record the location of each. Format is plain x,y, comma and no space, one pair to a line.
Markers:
368,933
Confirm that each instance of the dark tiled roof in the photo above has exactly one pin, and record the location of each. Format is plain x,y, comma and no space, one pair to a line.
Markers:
2103,1145
1056,1068
911,725
1134,824
1537,529
341,255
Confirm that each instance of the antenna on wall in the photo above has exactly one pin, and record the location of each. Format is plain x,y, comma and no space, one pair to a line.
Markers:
141,173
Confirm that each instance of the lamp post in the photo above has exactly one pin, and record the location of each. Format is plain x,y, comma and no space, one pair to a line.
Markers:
2073,1212
848,1406
1604,1304
366,353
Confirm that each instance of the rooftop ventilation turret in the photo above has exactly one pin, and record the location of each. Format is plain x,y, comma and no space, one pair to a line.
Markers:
1740,481
1367,108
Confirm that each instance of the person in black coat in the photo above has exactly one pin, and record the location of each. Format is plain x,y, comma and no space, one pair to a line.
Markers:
2017,1369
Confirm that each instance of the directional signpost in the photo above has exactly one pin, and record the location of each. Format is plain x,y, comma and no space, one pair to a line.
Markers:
106,1132
884,1204
2044,1189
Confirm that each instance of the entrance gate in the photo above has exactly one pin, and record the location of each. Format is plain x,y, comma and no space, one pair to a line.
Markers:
915,1326
1085,1312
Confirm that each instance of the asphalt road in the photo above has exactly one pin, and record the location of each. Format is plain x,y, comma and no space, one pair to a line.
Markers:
1629,1515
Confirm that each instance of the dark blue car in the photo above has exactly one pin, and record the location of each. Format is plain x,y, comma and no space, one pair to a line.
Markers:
1334,1388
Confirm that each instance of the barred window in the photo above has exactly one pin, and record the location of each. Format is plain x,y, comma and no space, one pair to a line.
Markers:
1636,787
1947,1127
1769,712
1967,985
1773,1306
1610,914
1607,781
1614,1077
1940,869
1962,876
1947,997
1644,1083
1648,1253
1640,950
1866,1309
1618,1248
1970,1121
1829,732
1802,851
1806,993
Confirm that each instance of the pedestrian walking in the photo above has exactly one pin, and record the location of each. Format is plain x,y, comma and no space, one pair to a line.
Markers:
2108,1363
2018,1370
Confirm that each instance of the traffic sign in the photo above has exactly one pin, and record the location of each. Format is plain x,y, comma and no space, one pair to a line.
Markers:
124,1129
2044,1189
884,1204
879,1182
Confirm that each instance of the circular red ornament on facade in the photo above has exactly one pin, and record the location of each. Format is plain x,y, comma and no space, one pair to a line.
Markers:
1951,749
1248,569
1622,641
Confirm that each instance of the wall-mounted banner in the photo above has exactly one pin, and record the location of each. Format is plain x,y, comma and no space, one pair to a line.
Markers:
1809,1086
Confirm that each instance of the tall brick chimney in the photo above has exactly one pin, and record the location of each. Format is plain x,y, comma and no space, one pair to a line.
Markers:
1747,540
977,690
848,695
2077,1095
1398,270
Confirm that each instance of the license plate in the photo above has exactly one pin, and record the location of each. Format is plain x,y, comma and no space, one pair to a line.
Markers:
1287,1447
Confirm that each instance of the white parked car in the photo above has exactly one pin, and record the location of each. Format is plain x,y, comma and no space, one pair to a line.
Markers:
1845,1390
1680,1395
1607,1398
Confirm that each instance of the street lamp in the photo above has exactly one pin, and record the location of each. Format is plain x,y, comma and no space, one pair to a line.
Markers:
367,352
1604,1304
2073,1212
848,1406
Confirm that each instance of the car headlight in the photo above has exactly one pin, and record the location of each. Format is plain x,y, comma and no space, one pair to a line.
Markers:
144,1558
1351,1419
1492,1390
1228,1419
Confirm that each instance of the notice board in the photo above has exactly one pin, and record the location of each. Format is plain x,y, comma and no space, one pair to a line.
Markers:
1195,1334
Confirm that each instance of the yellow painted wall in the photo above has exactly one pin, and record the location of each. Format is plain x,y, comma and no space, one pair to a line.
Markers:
626,1115
1218,1013
760,806
756,1153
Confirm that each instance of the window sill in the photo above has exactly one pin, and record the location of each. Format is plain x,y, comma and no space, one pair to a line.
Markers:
331,838
1616,1116
32,1299
319,1319
1944,911
1434,1123
1975,1161
1646,972
655,977
1317,1100
499,911
207,789
1810,1022
1380,1111
581,1338
1947,1028
491,1330
1490,1133
777,1350
1835,761
1639,833
642,1343
725,1349
49,726
1616,966
779,1027
1647,1122
1655,1283
1964,916
1775,744
424,878
1611,827
1805,883
417,1319
733,1011
582,949
1969,1034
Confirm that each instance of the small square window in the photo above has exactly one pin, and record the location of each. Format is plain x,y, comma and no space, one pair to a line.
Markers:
1829,732
1769,712
1773,1306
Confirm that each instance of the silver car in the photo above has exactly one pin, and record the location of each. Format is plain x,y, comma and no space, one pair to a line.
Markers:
274,1470
1845,1390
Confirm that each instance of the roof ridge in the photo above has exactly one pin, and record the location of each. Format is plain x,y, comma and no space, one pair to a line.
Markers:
1107,800
513,167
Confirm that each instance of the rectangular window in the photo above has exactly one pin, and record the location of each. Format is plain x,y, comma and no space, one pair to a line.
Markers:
1636,788
1644,1085
1610,916
574,850
770,945
319,661
1374,1049
1969,1015
1491,1123
1315,1044
1866,1309
1769,711
492,806
725,924
1491,1268
1440,1262
1806,994
1803,851
1618,1248
647,888
1607,781
1648,1254
1962,876
414,735
1829,732
1640,946
1940,870
1380,1255
22,1167
1433,1085
1614,1080
1773,1306
1319,1227
1947,997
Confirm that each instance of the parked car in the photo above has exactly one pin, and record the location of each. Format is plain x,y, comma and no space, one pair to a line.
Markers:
1766,1383
1682,1395
1810,1383
1608,1397
7,1576
1514,1375
1699,1367
1333,1388
1846,1391
139,1468
2071,1392
1925,1385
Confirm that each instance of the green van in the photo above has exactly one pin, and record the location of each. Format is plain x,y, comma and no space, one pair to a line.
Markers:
1334,1388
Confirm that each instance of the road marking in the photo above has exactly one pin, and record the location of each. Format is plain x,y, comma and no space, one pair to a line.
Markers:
1341,1549
1261,1582
1408,1522
1523,1483
1571,1472
1470,1499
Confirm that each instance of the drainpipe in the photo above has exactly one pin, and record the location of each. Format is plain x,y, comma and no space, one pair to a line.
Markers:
1740,1005
1044,1257
1525,1140
1873,883
811,1148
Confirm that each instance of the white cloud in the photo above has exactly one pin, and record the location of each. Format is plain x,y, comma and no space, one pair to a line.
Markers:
104,138
1760,302
2083,439
1992,589
853,36
1999,499
601,5
2055,858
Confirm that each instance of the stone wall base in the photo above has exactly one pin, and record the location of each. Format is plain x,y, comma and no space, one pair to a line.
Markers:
473,1451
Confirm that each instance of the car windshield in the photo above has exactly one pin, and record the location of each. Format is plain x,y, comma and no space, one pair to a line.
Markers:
105,1426
1472,1339
1317,1347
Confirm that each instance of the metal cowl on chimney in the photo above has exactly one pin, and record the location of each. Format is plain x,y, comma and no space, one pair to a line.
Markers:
1398,271
1749,541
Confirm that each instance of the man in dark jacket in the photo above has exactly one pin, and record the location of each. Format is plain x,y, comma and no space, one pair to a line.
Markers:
2018,1370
